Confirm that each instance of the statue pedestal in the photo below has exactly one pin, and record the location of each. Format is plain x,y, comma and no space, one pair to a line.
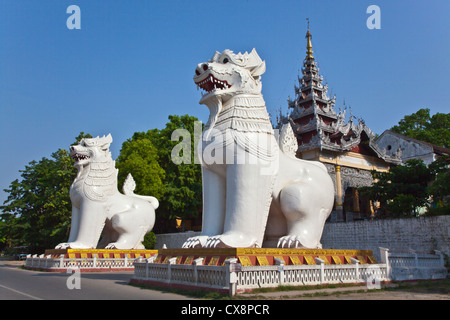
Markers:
264,256
99,253
86,260
123,260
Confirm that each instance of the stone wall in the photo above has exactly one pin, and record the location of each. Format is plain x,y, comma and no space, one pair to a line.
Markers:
423,235
173,240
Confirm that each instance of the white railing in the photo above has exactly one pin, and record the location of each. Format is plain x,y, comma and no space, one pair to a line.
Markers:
233,277
49,263
299,275
414,266
237,278
213,277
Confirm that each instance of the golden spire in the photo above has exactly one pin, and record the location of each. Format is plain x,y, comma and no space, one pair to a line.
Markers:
309,52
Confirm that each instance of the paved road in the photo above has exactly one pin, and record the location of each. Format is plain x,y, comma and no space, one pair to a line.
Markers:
19,284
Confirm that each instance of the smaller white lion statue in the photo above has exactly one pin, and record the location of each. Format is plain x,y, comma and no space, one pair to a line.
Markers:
98,206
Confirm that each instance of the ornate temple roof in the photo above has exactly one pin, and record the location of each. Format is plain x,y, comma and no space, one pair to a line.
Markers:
315,121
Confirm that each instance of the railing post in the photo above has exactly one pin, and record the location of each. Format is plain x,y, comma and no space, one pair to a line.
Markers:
416,258
47,258
148,261
95,261
356,263
61,261
231,277
195,263
441,258
384,253
169,268
280,263
322,269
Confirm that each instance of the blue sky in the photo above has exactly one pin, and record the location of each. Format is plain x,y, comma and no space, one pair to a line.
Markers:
131,64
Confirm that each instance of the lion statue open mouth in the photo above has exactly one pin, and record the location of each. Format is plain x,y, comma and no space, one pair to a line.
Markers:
97,205
253,186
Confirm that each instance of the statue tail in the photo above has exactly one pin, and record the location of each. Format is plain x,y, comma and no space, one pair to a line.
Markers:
128,189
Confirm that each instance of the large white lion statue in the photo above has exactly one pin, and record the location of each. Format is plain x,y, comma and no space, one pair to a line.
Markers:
253,186
98,206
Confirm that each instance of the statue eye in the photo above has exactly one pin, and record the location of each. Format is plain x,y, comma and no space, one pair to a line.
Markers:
225,60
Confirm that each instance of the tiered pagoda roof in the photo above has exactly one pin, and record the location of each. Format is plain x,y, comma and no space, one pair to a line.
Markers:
315,121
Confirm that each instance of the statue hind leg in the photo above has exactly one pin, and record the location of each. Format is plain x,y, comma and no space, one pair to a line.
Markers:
132,225
130,233
305,212
108,235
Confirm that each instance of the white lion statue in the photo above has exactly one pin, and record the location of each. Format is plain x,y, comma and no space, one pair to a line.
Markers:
253,186
98,206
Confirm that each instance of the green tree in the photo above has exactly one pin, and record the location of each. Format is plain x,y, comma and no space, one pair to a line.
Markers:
140,159
402,190
180,194
440,188
149,241
421,126
38,208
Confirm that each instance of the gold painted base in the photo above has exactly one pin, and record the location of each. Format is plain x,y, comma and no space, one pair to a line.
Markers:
100,253
265,256
217,257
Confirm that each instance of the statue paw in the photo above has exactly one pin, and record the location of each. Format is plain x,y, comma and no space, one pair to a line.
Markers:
231,240
73,245
292,242
112,245
195,242
64,245
215,242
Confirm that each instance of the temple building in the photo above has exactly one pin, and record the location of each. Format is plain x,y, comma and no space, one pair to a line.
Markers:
345,147
407,148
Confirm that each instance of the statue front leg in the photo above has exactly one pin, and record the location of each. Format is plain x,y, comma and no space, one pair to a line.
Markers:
213,208
92,219
247,205
74,226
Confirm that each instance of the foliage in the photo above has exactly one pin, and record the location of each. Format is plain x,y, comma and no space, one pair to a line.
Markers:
38,209
440,188
401,190
178,187
421,126
140,159
149,241
406,188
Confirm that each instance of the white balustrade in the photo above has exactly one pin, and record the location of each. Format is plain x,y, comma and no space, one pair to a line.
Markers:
62,263
234,277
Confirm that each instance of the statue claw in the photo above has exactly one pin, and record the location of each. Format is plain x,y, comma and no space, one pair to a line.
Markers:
195,242
292,242
72,245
